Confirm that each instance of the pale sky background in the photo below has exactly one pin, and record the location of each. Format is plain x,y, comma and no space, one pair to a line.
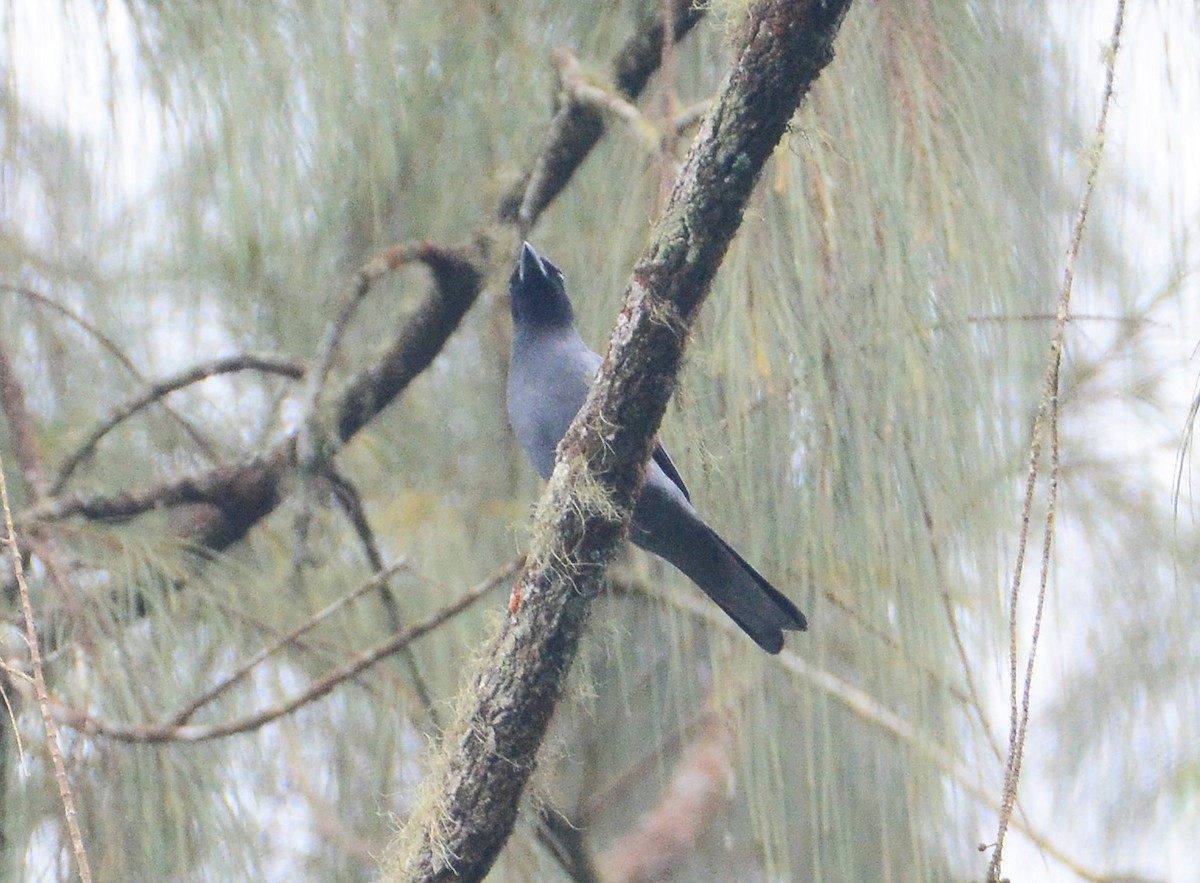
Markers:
1152,129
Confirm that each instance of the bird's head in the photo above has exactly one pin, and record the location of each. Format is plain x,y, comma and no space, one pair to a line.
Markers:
539,296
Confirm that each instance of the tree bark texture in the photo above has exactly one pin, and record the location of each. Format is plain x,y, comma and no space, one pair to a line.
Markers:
470,807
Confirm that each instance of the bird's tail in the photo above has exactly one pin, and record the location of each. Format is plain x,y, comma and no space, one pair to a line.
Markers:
760,610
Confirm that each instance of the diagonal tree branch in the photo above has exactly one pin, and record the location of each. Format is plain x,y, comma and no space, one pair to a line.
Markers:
467,814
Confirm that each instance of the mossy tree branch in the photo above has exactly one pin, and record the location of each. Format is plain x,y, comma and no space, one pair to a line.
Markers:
470,807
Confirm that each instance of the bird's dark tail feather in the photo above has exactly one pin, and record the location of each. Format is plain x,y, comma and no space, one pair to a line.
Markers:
765,617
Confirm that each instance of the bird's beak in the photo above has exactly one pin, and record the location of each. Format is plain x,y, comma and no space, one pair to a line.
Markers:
529,263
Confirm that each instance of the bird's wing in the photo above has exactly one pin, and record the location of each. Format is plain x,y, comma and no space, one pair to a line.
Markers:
665,464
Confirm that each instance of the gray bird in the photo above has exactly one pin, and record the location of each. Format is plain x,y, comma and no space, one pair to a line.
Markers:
549,375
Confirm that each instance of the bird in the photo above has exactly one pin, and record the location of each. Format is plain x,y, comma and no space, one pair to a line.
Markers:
550,372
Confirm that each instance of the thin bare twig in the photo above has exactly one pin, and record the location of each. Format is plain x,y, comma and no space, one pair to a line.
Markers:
10,712
172,732
691,115
1051,317
346,495
311,449
205,445
566,841
270,364
315,445
974,702
43,696
350,501
1019,713
240,672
